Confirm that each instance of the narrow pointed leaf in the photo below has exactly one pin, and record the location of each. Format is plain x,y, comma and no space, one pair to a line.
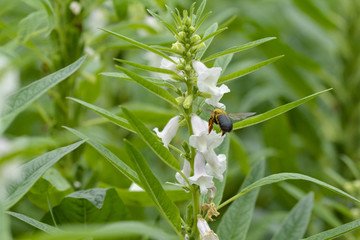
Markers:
146,67
109,156
33,170
223,62
336,232
26,95
5,231
248,70
109,115
35,223
211,35
275,112
208,31
200,11
115,230
275,178
151,87
236,221
160,19
153,187
151,140
139,44
295,224
239,48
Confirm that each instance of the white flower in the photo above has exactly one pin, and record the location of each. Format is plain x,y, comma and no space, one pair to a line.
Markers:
169,131
207,80
200,177
75,7
9,80
216,164
169,65
201,140
10,172
135,188
205,232
186,171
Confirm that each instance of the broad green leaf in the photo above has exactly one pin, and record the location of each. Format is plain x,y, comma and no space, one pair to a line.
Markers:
295,224
171,28
151,87
112,117
284,177
109,231
139,44
146,67
208,31
247,70
25,96
211,35
5,231
275,112
32,25
109,156
239,154
35,223
51,187
33,170
96,205
160,82
151,140
336,232
220,186
153,187
238,48
236,221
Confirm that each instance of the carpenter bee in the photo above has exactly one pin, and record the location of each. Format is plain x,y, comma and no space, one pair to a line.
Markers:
222,118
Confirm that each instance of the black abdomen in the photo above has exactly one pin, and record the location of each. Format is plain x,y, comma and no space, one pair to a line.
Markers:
225,123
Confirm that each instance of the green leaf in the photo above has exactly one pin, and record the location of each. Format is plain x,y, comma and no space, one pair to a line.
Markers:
33,25
295,224
112,117
139,44
236,221
223,62
146,67
275,112
96,205
109,231
153,187
35,223
5,231
283,177
160,82
25,96
208,31
33,170
163,21
238,48
109,156
199,12
152,141
247,70
336,232
151,87
211,35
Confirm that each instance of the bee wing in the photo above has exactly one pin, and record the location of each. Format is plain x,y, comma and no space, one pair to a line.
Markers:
240,116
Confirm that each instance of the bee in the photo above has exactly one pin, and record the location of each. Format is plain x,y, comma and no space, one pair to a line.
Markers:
223,119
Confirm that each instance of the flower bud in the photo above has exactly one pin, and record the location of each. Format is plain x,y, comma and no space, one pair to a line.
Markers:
191,29
195,38
178,47
179,100
182,36
180,66
205,95
197,48
188,101
188,67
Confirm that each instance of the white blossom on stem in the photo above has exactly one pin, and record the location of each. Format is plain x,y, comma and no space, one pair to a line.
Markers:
186,171
206,82
202,140
201,178
205,232
216,164
169,131
169,65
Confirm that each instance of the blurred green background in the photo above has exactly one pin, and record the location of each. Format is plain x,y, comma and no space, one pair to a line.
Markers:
320,41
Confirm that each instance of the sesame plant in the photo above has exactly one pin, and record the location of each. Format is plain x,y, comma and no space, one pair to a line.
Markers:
193,148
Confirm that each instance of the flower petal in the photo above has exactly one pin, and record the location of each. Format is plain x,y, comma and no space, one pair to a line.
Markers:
169,131
200,176
216,164
186,171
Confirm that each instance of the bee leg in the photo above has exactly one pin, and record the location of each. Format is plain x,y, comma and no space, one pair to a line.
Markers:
223,133
211,123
